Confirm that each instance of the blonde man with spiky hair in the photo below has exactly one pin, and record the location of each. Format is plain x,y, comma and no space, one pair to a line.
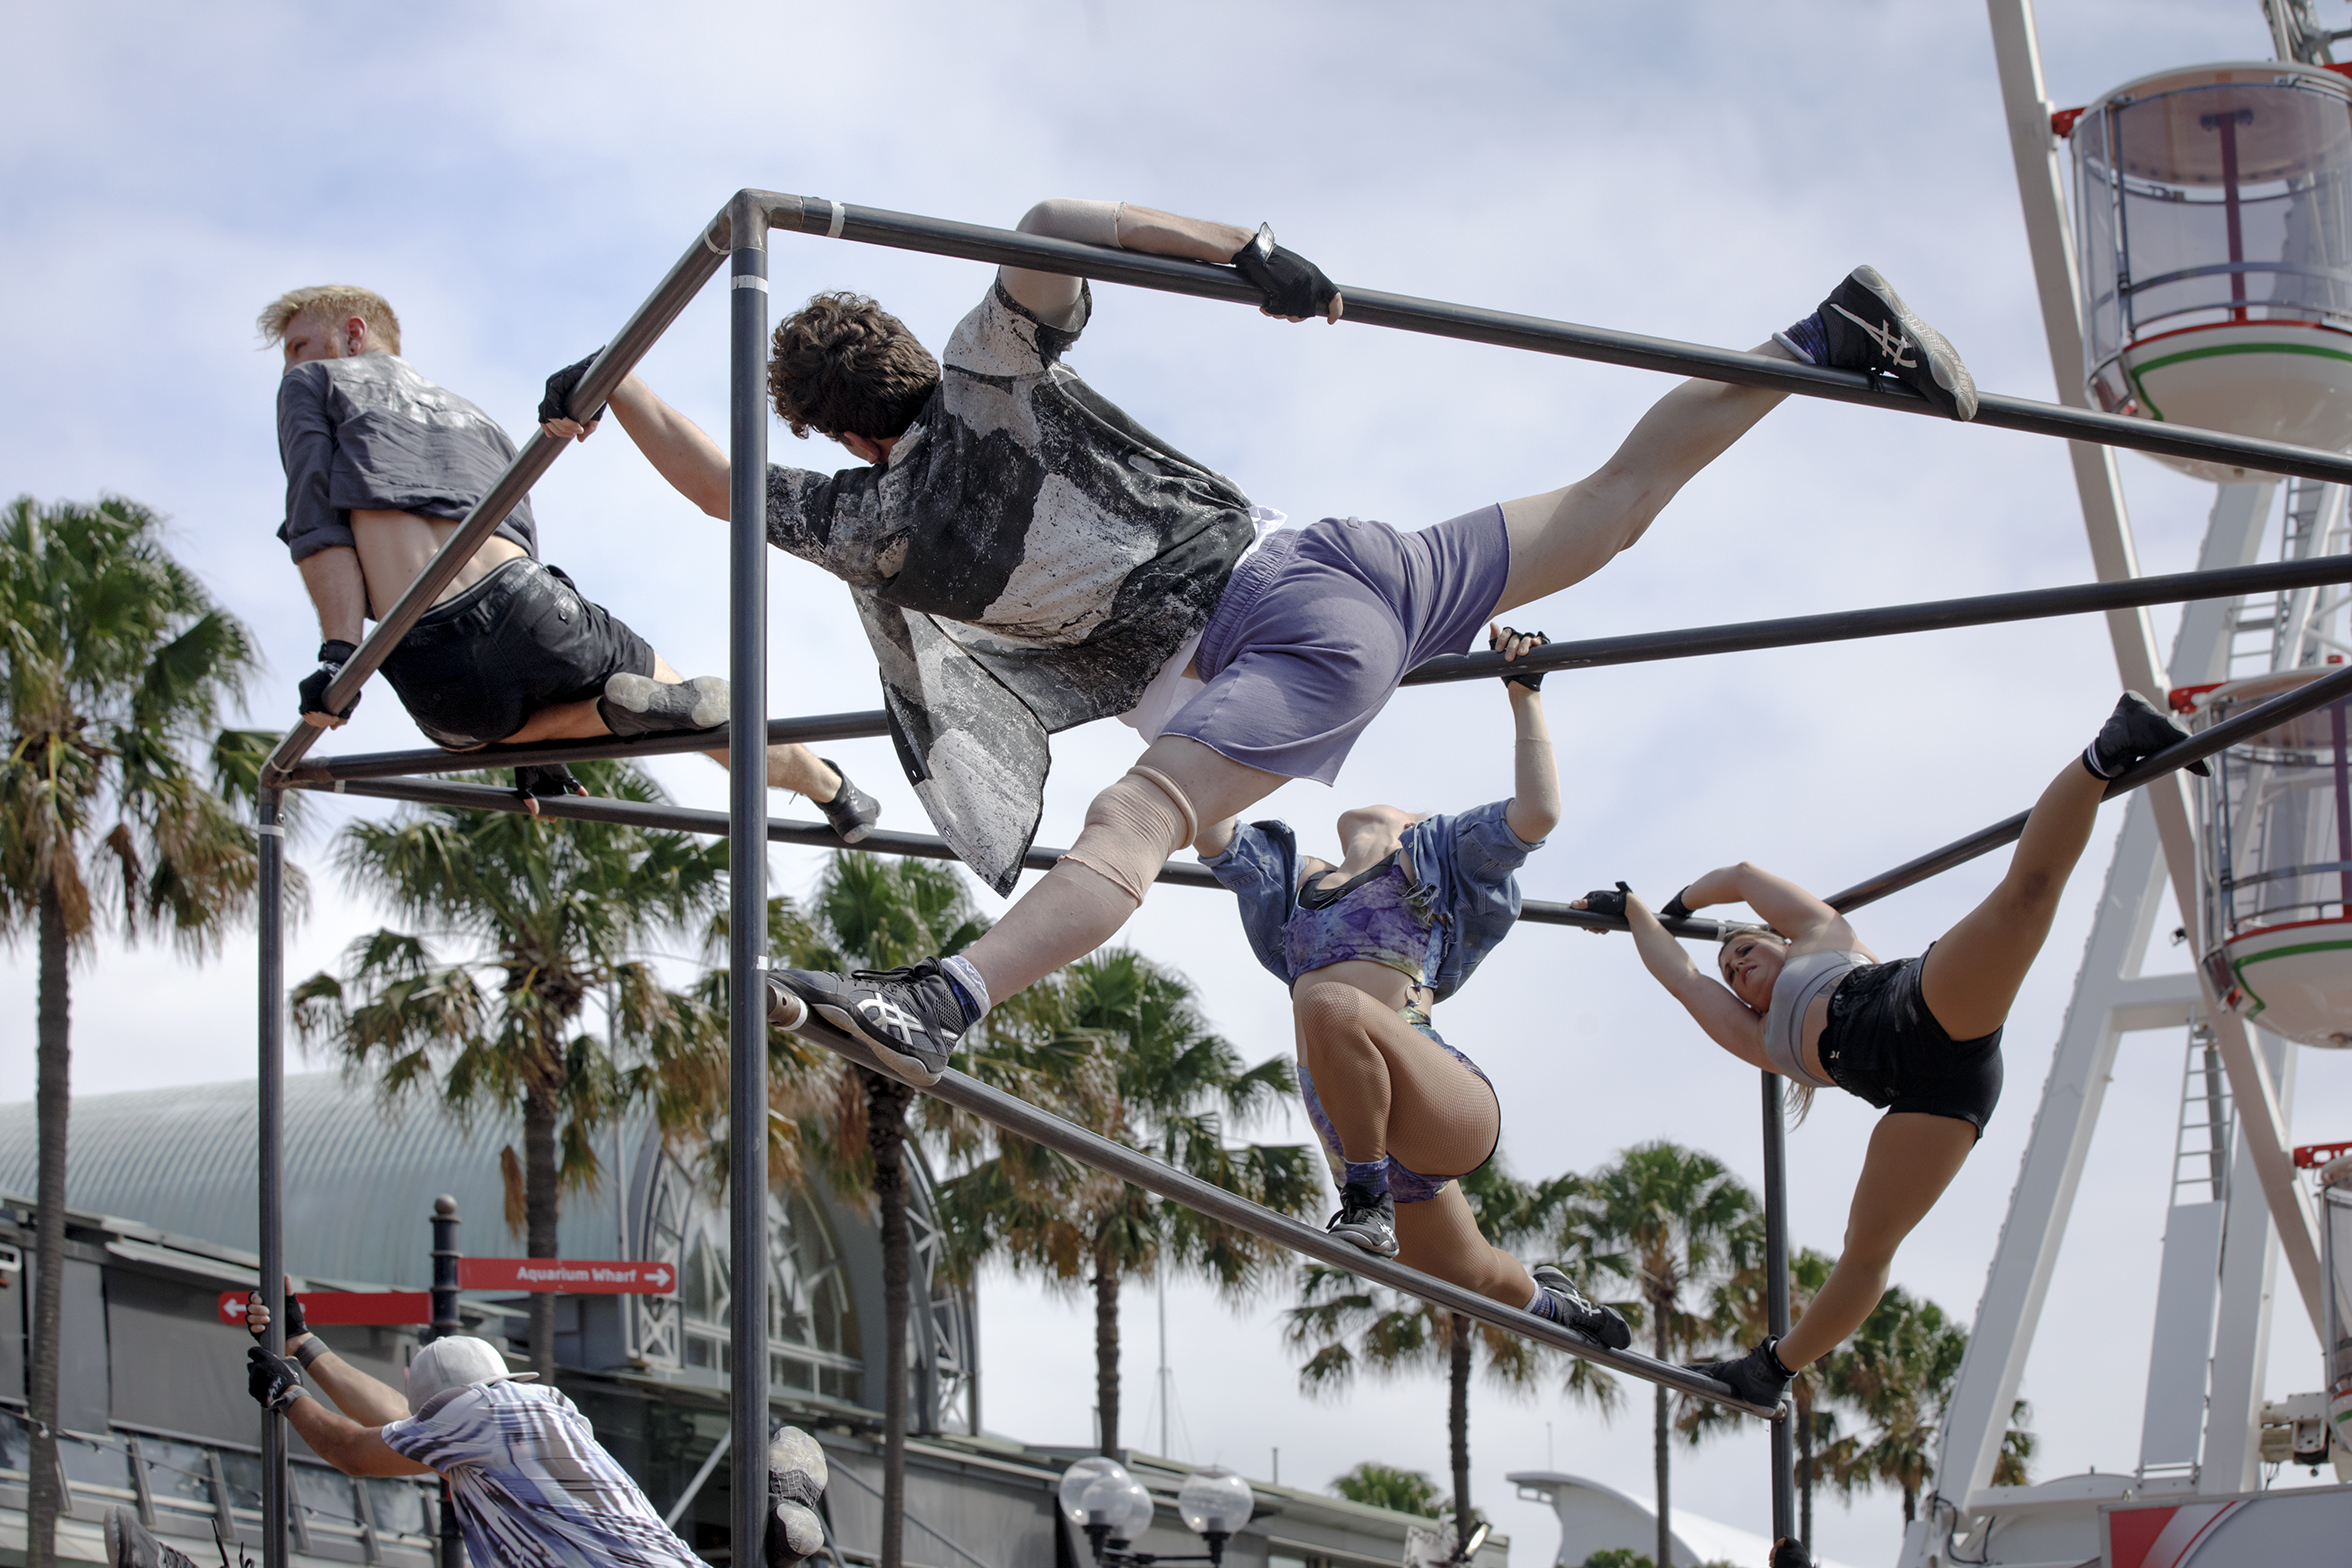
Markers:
381,468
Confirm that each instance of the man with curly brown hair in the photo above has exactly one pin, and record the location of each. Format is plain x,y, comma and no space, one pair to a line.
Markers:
1026,558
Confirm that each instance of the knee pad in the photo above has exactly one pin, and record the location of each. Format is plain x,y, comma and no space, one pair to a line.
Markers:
1132,828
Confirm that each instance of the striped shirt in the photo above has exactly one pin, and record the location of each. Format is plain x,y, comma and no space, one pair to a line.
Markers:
532,1487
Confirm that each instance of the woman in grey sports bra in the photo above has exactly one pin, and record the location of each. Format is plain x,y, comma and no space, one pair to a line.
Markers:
1920,1038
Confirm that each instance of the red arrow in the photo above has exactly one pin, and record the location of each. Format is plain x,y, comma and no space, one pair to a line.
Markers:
330,1307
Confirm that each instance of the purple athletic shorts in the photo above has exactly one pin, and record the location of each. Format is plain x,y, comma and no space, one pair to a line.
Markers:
1317,628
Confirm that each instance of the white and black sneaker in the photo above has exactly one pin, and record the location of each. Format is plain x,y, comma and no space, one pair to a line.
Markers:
909,1018
1366,1219
852,811
1864,325
128,1544
1570,1308
796,1480
634,705
1757,1377
2133,733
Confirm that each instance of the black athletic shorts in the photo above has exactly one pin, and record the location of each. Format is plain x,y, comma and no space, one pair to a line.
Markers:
474,669
1883,1045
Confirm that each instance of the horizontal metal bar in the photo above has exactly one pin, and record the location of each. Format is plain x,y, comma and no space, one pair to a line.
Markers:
396,764
538,454
1896,620
1437,318
2253,721
1019,1116
659,817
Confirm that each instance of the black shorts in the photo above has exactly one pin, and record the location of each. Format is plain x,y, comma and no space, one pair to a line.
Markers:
1882,1044
474,669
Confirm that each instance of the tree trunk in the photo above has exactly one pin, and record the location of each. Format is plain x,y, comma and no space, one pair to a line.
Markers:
542,1208
1910,1505
886,1105
1458,1424
1804,1466
1661,1306
53,1101
1106,1352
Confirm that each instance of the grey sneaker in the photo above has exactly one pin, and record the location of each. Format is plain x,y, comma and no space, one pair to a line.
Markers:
128,1545
1571,1309
1869,328
852,811
634,705
796,1480
2133,733
1366,1219
909,1018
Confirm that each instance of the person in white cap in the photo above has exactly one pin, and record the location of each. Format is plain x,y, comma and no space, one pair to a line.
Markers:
531,1485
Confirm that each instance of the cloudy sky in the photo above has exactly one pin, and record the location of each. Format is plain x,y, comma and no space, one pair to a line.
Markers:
515,178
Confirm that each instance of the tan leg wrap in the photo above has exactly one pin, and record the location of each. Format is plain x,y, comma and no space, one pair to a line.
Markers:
1132,828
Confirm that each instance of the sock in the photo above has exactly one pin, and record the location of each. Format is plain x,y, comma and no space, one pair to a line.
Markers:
1808,339
1543,1305
1372,1175
971,992
1771,1348
2090,762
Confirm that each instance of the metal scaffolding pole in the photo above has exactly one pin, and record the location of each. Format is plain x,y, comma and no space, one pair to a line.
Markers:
747,877
270,1122
1776,1298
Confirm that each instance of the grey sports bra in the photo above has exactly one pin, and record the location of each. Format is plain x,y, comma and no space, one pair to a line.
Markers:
1801,980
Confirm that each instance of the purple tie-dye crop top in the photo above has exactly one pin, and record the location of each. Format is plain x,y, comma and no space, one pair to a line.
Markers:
1371,916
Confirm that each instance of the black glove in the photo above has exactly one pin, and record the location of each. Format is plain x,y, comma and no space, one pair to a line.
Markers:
274,1381
1607,901
547,781
333,654
557,403
1291,284
295,1327
1531,679
1675,908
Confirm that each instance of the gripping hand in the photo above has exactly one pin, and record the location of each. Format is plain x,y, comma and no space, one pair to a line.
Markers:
257,1316
1605,901
333,654
274,1381
557,404
1517,644
1292,285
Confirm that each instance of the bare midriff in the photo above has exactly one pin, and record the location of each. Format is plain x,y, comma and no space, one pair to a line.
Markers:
1391,988
394,547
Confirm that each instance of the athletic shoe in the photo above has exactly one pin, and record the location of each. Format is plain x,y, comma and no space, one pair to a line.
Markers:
909,1018
1757,1377
1571,1309
128,1545
634,705
852,811
2133,733
1366,1219
796,1479
1867,327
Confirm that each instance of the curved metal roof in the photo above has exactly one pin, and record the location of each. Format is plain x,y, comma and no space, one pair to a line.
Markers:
361,1175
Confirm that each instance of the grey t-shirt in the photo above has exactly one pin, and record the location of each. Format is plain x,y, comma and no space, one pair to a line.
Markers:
369,433
1025,562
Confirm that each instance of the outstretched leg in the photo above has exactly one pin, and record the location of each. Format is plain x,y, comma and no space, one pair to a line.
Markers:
1564,536
1912,1158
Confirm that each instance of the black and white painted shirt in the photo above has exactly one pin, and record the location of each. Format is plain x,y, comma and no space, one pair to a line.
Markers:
1027,561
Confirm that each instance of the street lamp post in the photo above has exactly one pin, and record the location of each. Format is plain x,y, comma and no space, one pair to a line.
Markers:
1114,1509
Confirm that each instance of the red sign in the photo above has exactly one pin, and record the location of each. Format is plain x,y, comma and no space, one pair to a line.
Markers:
331,1307
572,1277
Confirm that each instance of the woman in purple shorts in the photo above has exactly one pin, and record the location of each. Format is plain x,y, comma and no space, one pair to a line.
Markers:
1368,945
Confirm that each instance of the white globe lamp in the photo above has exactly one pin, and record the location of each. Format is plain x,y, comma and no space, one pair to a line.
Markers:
1215,1503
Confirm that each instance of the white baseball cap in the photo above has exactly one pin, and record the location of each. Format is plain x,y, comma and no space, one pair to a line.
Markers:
456,1361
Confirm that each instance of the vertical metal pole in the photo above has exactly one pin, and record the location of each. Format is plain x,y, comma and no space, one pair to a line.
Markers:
270,1120
2343,807
450,1549
747,870
1776,1303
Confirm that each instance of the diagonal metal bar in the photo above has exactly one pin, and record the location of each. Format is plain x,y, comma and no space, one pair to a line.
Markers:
538,454
2307,699
397,764
1437,318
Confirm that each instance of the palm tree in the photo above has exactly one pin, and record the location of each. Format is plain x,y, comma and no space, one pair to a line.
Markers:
1670,1222
1342,1326
1156,1079
545,915
1896,1372
2015,1466
115,667
868,912
1387,1486
1737,1318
